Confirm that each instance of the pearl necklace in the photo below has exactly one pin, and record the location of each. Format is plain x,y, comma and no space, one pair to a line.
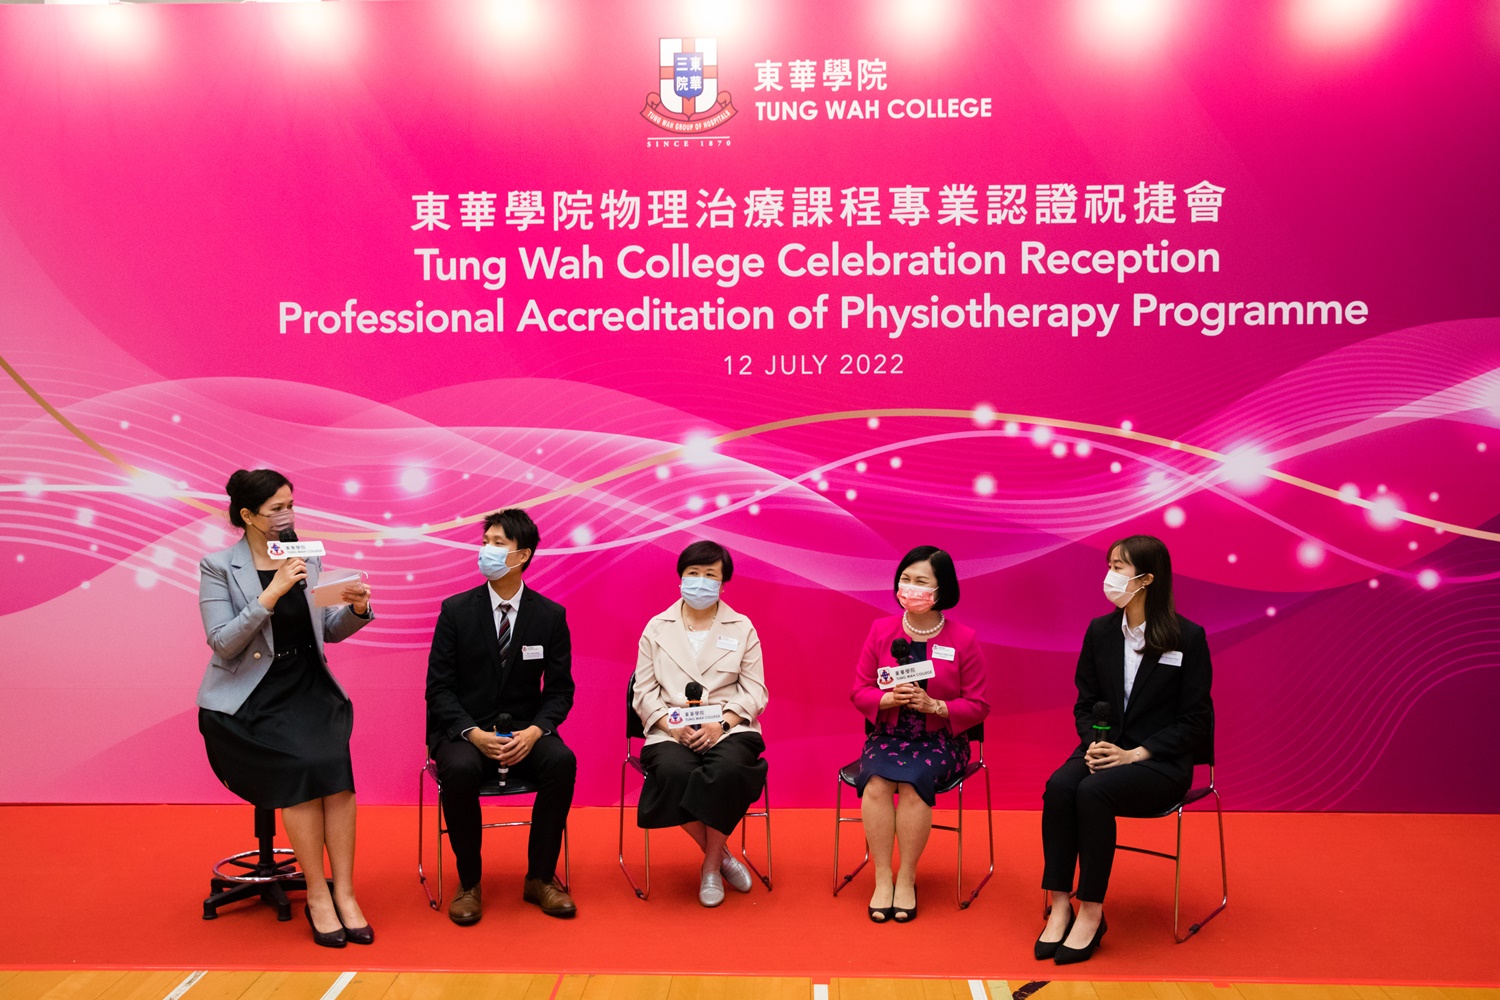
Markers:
906,623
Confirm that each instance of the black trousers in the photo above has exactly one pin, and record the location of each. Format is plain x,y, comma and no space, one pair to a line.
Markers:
716,787
1078,819
461,769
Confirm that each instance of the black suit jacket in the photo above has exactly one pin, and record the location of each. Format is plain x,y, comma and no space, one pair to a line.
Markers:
467,685
1171,710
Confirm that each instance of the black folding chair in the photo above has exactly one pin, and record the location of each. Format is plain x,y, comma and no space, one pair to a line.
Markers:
488,790
1205,755
849,775
632,761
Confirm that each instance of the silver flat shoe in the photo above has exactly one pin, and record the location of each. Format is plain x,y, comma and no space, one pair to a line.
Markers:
735,873
711,889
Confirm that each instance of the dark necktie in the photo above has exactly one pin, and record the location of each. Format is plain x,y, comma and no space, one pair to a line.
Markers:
504,633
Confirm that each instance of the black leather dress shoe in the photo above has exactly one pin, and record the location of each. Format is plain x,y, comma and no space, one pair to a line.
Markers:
1070,956
334,939
1044,950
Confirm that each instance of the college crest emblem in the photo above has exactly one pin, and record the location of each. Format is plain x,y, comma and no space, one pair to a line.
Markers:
689,101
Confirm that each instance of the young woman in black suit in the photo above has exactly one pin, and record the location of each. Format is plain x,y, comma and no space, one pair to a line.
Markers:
1151,666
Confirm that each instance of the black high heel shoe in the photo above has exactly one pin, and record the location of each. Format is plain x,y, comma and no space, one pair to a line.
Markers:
333,939
1044,950
904,914
885,912
356,935
1070,956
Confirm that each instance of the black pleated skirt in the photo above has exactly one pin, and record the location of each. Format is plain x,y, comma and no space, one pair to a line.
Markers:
289,741
716,787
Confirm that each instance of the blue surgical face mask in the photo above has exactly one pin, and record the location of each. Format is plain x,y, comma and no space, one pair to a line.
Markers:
492,561
700,592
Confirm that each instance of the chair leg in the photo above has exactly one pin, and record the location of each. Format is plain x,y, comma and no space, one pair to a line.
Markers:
624,868
959,886
1223,876
567,863
421,827
744,830
838,825
989,810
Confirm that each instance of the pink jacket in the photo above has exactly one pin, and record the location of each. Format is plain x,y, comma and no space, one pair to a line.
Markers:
960,681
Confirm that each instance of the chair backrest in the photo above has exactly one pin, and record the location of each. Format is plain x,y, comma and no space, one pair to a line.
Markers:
633,728
1205,752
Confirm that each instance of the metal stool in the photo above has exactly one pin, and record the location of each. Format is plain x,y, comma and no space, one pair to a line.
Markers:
270,876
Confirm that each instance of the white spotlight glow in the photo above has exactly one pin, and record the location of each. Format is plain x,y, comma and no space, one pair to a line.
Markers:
921,22
1384,511
1175,517
713,17
1428,579
984,485
1126,28
1245,468
698,449
1339,23
324,30
1311,553
413,480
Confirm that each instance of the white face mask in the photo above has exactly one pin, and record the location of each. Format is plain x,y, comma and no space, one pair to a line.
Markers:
1117,588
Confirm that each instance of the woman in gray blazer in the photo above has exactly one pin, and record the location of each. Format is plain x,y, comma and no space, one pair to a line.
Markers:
274,721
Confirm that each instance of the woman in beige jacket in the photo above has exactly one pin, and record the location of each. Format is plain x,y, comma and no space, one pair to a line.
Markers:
702,778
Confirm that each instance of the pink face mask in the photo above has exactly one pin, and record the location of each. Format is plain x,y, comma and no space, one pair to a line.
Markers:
916,599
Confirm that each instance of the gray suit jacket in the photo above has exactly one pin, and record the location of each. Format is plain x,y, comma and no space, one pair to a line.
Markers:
238,628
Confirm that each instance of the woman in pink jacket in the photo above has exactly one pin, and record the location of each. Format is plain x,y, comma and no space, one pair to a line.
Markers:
919,738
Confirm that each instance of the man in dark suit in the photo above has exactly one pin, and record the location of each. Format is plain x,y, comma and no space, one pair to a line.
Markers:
502,661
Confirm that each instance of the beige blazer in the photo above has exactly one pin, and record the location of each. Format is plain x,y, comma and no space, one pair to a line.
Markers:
729,668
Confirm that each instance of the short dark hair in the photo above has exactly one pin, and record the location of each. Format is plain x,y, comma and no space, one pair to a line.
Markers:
706,553
518,527
1148,554
249,488
942,570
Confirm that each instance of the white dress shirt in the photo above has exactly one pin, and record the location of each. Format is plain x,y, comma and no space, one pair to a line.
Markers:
514,600
1135,644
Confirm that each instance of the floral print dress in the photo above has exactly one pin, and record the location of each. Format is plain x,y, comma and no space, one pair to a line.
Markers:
906,752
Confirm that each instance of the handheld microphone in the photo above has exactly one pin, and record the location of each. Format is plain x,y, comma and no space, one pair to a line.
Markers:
694,694
901,650
502,728
288,535
1101,722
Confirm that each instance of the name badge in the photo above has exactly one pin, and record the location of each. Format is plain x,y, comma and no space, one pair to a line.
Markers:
942,652
1172,659
909,673
727,642
694,715
287,550
531,652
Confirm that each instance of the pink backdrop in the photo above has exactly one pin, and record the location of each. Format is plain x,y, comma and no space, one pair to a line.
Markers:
172,175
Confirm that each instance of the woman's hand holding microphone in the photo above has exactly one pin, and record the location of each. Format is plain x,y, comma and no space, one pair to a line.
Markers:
291,572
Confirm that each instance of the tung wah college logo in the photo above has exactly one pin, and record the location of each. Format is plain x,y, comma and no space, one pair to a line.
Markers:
690,101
